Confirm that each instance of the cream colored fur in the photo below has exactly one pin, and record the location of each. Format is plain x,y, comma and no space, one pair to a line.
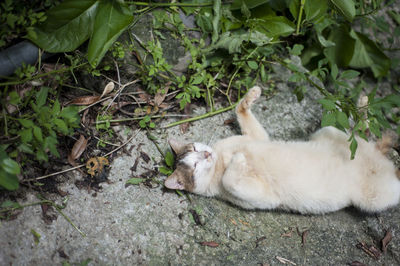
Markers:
308,177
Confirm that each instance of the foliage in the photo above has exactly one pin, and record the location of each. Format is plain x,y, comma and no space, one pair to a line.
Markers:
18,17
35,130
73,22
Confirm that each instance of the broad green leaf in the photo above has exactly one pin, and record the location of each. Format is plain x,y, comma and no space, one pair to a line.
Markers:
111,20
273,26
328,119
26,123
368,54
56,108
343,51
315,9
10,204
165,170
296,50
67,26
346,7
169,159
328,105
237,4
135,181
37,132
41,96
8,181
342,119
10,166
375,128
324,42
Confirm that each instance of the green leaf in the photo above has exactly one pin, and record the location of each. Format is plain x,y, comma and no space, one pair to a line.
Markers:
10,204
169,159
41,96
26,123
237,4
8,181
56,108
135,181
328,119
253,65
216,20
349,74
273,26
375,128
353,147
328,105
111,20
368,54
61,126
10,166
346,7
315,9
37,132
165,171
342,119
296,50
342,52
67,26
50,143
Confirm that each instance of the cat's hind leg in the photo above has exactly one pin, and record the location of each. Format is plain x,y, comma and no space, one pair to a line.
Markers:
246,189
247,121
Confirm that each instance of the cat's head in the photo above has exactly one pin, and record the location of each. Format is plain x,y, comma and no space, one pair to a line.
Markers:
194,166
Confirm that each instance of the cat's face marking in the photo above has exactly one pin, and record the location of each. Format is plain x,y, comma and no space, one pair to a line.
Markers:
193,161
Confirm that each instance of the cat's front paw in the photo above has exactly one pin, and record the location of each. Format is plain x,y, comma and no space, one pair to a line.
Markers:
252,95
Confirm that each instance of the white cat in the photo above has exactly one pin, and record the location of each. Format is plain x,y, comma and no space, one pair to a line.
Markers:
308,177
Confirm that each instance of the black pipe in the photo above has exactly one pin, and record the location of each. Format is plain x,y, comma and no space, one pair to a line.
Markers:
13,57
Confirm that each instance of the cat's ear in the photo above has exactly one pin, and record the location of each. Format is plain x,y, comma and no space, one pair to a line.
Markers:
172,182
176,146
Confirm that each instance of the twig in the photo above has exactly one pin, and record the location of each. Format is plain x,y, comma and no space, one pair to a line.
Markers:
284,261
137,118
78,166
206,115
99,101
119,91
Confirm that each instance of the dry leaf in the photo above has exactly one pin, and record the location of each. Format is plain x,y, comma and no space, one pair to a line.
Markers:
77,150
210,244
284,261
303,237
370,250
85,100
161,94
107,89
386,240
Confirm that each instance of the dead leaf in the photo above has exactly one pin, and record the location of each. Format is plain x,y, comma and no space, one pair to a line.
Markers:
228,122
161,94
303,237
210,244
85,100
386,240
370,250
196,217
285,261
357,263
145,157
107,89
288,233
77,150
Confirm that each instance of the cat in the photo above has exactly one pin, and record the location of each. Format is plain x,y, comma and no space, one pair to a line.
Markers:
309,177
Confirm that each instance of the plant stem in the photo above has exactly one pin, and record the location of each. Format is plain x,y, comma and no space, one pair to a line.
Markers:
41,75
206,115
302,2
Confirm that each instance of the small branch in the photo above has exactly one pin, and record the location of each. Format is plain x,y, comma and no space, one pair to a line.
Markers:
136,118
219,111
41,75
302,2
78,166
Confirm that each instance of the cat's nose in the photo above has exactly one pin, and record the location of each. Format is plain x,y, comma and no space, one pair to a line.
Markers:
207,154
